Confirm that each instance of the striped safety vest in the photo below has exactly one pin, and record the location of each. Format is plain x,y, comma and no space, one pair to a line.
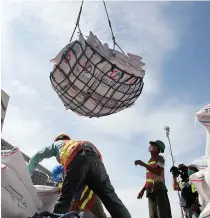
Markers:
70,149
151,178
87,199
67,153
180,183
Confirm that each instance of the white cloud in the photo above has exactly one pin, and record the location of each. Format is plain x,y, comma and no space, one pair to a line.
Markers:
23,89
33,32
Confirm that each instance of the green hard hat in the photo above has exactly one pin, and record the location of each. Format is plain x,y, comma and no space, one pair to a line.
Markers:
160,144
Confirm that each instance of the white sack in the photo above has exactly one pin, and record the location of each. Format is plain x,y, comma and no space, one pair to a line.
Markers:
202,162
206,212
14,159
198,179
11,207
16,188
48,195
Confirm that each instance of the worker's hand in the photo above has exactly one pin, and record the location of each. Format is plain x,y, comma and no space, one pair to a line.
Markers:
139,162
141,194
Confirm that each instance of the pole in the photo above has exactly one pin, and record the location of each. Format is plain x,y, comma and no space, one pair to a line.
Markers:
167,129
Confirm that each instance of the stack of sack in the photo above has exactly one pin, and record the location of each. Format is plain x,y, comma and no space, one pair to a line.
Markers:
87,72
20,198
202,162
198,179
201,179
206,212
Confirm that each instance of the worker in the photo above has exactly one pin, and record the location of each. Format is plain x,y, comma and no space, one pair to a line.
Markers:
83,165
85,200
156,191
189,196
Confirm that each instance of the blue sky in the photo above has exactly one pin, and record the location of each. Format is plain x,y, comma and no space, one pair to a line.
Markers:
189,65
172,38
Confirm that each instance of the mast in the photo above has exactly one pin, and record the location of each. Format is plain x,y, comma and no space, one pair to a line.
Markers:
167,129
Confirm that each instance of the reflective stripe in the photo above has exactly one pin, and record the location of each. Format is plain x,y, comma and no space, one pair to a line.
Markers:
150,180
71,148
83,193
151,162
60,184
65,151
87,200
193,188
180,184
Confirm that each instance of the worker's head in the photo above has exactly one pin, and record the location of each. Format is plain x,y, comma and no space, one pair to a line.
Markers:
192,169
62,136
156,147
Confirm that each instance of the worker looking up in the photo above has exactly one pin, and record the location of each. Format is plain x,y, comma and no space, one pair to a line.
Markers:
159,205
85,200
83,165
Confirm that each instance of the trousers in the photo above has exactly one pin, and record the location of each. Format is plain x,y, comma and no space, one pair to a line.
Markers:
97,210
87,169
159,205
189,213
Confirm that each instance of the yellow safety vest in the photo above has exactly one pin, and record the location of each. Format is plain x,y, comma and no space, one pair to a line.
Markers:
192,186
151,177
70,149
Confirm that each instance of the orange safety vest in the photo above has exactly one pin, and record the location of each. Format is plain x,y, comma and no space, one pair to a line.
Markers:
151,178
70,149
67,154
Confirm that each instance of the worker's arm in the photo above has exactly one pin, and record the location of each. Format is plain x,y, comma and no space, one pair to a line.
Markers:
144,189
48,152
175,184
156,170
160,164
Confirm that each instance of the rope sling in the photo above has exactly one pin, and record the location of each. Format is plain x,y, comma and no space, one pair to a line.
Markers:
91,85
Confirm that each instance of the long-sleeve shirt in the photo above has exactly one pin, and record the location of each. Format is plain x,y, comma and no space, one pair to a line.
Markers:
48,152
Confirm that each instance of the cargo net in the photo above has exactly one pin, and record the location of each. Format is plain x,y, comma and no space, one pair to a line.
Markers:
45,214
92,86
